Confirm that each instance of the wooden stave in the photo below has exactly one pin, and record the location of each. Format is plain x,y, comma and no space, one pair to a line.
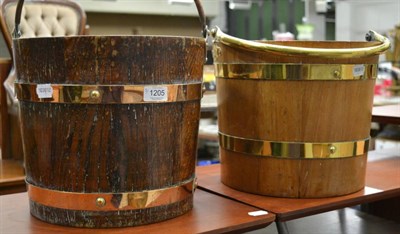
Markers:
240,170
63,57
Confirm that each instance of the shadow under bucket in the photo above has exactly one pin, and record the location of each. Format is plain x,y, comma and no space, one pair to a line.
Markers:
109,126
294,117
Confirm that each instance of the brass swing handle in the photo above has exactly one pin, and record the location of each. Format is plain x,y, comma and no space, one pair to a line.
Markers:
221,37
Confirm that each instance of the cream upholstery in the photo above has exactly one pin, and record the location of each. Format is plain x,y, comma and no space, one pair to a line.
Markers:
44,20
39,18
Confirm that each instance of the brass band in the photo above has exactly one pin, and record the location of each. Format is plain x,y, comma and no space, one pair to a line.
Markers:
108,94
294,149
111,201
297,71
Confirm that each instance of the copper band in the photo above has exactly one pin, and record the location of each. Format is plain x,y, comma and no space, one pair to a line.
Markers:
297,71
294,149
110,201
109,94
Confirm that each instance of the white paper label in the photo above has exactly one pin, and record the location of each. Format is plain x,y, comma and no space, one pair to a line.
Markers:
258,213
155,93
358,70
44,91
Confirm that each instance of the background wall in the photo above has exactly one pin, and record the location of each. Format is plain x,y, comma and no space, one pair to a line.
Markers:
146,17
128,24
3,48
264,17
354,18
316,19
142,17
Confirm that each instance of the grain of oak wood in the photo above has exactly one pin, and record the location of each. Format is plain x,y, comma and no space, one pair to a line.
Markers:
294,110
211,214
112,147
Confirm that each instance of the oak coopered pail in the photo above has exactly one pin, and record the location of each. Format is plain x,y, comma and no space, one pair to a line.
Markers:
294,117
109,127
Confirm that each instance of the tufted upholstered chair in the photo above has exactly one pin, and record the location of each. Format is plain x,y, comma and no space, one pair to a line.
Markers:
39,18
43,18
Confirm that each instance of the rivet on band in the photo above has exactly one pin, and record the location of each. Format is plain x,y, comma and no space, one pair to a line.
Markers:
294,149
100,202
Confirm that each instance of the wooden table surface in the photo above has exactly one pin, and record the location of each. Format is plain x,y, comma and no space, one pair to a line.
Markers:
389,114
382,182
211,214
12,178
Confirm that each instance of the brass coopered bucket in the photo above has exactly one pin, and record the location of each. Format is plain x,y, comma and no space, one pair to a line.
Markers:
294,117
109,126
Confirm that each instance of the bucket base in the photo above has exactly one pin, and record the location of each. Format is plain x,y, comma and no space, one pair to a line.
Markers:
109,219
293,178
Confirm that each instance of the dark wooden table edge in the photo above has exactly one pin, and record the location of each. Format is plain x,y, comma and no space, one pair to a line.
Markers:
14,180
235,229
14,185
287,216
247,227
385,119
230,198
330,207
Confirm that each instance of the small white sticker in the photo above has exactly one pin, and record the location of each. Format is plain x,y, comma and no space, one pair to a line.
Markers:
258,213
44,91
155,93
358,70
